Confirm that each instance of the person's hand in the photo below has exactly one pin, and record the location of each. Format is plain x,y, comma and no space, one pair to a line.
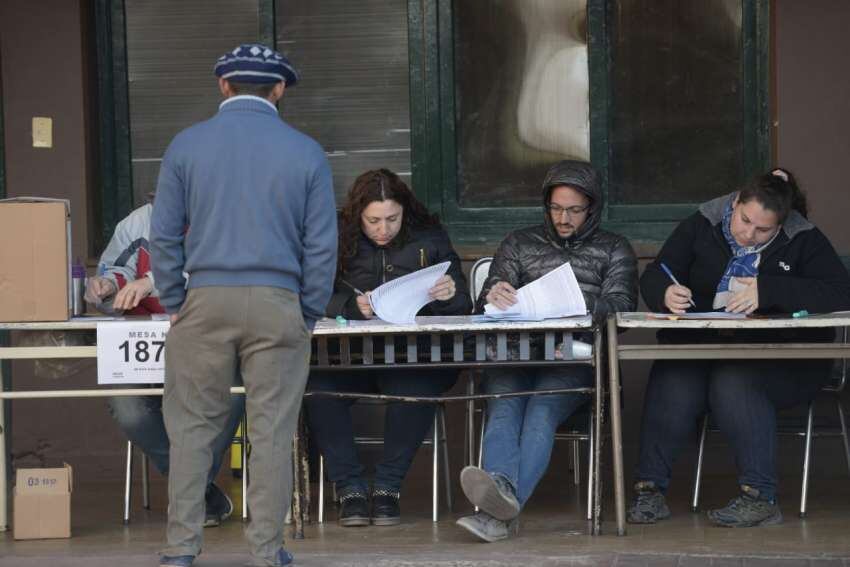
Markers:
502,295
173,318
98,288
132,293
364,306
745,298
444,289
677,298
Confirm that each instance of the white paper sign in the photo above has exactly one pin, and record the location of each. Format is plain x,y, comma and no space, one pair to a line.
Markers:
131,352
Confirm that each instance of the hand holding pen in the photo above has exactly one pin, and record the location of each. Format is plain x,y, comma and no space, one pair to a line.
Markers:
362,300
677,297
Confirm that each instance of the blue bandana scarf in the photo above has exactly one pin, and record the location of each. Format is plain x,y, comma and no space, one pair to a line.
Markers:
744,262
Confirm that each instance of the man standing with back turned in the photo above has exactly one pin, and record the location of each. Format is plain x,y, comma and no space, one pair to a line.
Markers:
245,206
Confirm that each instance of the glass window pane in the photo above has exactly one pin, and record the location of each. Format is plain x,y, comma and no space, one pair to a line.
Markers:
676,100
521,95
354,96
171,50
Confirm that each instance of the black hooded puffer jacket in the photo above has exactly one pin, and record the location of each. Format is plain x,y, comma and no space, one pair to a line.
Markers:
604,263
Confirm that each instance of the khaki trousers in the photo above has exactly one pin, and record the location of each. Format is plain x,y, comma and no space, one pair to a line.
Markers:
260,333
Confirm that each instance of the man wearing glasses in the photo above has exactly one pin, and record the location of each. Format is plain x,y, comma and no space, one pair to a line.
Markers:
520,431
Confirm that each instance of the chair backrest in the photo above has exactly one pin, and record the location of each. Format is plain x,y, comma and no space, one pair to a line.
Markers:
478,275
839,376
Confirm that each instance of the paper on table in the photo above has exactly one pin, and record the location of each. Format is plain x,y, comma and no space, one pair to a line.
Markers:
696,315
399,300
556,294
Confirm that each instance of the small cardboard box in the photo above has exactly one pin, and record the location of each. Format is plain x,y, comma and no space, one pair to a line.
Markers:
35,259
43,503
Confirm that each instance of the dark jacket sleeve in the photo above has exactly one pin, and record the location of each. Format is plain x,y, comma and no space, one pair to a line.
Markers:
821,285
460,303
619,284
506,267
343,302
677,254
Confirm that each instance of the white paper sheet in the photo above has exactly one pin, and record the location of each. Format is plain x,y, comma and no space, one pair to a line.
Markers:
556,294
398,301
697,315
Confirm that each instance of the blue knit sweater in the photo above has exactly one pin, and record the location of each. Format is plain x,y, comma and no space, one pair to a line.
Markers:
243,199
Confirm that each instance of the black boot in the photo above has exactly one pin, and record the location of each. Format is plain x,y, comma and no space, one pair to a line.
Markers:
385,509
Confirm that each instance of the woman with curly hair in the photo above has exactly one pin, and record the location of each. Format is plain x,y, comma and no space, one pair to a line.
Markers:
384,233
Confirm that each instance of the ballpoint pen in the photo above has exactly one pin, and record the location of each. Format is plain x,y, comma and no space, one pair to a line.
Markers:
357,291
674,280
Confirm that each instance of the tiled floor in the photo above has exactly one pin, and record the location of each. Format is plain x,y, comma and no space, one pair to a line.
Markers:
553,532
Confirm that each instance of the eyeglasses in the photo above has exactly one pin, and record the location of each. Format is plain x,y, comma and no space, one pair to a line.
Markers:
557,210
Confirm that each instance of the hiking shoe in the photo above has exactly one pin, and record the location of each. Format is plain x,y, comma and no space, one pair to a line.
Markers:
487,528
385,508
282,559
353,509
746,510
491,493
176,560
649,505
219,507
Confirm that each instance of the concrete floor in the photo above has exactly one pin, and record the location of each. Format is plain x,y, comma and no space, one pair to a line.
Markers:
552,532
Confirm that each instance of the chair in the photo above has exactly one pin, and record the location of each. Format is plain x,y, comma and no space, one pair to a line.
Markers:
570,431
439,445
809,432
128,476
477,276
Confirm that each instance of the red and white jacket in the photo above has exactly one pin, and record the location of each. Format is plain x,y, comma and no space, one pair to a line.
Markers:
127,258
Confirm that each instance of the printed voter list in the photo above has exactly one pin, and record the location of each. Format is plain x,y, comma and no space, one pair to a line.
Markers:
131,352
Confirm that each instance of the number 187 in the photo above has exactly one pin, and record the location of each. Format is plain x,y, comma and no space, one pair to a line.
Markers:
142,350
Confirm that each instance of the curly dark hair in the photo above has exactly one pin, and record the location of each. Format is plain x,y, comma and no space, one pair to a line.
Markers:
378,185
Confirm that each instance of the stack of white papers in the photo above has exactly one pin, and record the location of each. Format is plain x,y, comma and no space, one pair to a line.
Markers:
554,295
399,300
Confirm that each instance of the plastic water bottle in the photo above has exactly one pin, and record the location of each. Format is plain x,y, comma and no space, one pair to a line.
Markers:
78,288
581,350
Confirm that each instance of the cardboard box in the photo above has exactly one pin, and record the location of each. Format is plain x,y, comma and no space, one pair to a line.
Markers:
35,259
43,503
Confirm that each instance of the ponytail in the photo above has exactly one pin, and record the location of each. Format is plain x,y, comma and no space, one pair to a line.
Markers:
777,191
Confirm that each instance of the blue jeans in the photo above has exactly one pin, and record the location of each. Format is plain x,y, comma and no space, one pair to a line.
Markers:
140,417
742,396
405,424
520,431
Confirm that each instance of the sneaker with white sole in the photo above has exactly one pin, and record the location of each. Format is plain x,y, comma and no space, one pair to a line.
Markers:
491,493
219,506
487,528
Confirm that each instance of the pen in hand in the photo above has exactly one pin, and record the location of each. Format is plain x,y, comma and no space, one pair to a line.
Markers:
357,291
675,281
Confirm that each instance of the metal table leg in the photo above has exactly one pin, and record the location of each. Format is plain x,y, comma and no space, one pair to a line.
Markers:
4,488
616,425
596,440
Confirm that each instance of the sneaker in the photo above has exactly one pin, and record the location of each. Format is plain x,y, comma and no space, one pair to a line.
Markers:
385,508
492,493
282,559
176,560
487,528
353,509
649,505
219,507
747,510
